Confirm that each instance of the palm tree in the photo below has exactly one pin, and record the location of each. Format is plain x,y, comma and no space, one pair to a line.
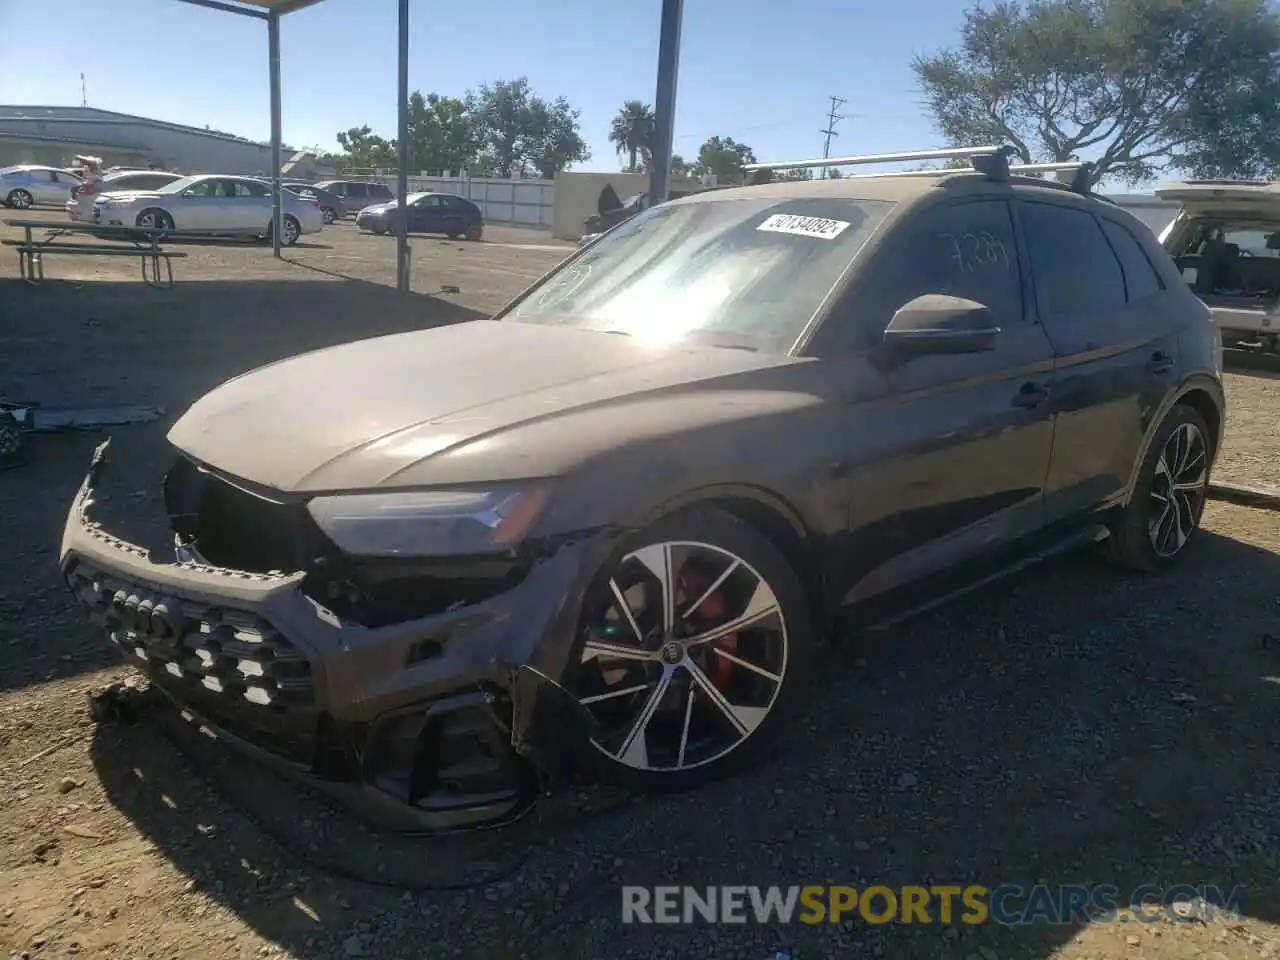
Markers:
632,132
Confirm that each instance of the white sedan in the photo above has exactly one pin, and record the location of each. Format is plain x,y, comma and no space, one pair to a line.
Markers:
28,185
212,205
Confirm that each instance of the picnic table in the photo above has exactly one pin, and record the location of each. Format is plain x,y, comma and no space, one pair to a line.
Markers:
143,243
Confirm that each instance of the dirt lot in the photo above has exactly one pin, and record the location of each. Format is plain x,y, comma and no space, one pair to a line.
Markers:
1069,726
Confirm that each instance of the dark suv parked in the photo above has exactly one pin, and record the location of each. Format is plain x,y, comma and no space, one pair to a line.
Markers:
611,526
356,194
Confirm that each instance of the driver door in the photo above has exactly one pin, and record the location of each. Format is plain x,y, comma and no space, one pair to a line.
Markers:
948,454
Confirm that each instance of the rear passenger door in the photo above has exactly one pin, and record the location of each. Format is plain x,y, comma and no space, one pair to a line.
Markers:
1100,301
948,454
455,215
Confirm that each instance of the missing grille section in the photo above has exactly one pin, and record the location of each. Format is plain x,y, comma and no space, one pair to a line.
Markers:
235,526
378,593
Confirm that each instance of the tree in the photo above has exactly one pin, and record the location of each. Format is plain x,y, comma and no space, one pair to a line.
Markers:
364,149
632,133
680,167
804,173
1136,83
515,129
441,134
724,158
552,140
501,113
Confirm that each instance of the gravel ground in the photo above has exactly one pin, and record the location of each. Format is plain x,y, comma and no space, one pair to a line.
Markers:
1071,725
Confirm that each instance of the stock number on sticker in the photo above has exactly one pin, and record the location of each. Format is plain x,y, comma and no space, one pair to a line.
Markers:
804,226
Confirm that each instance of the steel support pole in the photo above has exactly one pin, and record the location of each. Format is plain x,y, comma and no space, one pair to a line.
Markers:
664,102
402,158
273,47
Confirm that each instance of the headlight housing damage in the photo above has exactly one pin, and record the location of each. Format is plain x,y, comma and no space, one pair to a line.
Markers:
430,523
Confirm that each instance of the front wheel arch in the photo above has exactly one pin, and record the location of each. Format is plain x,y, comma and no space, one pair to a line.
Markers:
773,517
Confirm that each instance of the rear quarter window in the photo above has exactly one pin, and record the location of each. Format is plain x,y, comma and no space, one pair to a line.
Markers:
1140,277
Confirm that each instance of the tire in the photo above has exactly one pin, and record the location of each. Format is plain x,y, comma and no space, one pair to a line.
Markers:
19,200
635,679
292,231
153,219
1147,536
328,215
475,232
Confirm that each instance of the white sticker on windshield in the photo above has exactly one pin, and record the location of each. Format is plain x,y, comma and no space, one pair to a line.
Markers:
804,226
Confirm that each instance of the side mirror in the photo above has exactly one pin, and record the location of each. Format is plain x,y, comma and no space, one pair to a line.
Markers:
937,324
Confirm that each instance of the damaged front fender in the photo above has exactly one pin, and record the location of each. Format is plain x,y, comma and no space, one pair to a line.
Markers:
549,726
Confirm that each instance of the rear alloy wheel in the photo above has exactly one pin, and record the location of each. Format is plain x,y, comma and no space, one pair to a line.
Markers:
154,220
687,651
1164,512
328,215
292,230
475,231
19,200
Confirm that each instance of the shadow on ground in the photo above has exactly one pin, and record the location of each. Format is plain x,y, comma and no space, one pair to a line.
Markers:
1070,726
72,343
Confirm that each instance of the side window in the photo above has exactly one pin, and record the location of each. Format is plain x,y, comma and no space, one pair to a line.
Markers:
964,249
205,188
50,175
1074,269
1140,277
337,189
247,188
379,192
357,190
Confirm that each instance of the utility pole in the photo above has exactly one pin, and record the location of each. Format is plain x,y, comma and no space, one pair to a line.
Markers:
84,96
832,119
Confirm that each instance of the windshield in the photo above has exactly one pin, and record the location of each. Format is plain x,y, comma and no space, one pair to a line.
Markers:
754,269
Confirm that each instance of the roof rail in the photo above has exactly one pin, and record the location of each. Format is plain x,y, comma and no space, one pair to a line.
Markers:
992,162
940,153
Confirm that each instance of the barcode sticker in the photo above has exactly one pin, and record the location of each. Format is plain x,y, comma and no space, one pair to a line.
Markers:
804,226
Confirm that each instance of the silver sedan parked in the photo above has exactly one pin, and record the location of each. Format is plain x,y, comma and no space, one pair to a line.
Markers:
211,204
28,185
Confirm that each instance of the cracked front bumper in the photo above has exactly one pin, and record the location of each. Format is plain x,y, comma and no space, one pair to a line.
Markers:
438,723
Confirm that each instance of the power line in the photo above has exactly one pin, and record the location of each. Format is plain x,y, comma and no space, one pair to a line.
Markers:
832,119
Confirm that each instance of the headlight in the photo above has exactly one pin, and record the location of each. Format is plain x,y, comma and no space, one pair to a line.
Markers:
429,523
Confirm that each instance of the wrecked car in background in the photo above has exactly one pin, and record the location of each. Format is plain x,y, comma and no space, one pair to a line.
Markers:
608,528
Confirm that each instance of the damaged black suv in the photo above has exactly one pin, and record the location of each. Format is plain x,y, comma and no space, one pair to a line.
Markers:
609,527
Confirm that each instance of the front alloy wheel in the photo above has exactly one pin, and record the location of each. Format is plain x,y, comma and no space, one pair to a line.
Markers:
685,652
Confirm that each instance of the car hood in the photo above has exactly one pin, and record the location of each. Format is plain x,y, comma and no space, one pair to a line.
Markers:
374,413
379,207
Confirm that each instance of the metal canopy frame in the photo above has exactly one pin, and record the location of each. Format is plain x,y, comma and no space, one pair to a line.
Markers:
271,11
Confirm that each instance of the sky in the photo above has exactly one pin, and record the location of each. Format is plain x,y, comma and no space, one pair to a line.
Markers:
760,71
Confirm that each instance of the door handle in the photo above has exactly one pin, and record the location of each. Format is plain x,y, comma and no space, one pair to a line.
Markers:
1160,362
1031,395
